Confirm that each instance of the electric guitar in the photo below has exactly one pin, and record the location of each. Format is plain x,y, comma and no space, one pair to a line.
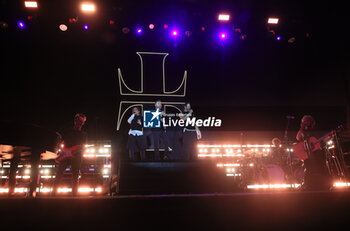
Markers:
67,153
303,149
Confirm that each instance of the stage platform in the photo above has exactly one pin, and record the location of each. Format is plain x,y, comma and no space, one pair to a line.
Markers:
173,177
231,211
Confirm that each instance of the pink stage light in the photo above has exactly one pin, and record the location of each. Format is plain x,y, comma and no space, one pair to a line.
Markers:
174,33
223,36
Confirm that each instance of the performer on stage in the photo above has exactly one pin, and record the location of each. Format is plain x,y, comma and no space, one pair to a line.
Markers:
277,152
316,173
72,137
190,135
160,134
136,141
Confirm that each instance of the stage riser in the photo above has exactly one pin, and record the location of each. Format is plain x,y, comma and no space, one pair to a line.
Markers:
172,177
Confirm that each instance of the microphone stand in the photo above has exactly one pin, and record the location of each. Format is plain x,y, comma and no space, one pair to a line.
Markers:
289,158
286,129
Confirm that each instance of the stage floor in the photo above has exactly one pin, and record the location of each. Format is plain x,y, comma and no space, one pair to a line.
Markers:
228,211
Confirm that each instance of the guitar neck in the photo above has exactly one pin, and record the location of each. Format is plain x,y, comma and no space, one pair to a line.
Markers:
320,139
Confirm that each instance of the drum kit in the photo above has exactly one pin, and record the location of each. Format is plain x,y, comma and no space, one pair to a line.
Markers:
280,166
283,165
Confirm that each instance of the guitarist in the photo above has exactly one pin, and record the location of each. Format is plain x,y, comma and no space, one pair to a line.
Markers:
72,137
316,173
306,126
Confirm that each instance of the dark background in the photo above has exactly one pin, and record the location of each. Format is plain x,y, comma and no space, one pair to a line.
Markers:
48,75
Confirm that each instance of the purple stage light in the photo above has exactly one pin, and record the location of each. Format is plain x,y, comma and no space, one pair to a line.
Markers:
279,38
223,36
174,33
21,24
86,27
139,30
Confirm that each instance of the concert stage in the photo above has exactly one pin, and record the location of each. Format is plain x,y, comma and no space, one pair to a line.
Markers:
234,211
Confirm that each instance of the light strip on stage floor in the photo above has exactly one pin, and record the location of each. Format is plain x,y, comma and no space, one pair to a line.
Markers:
220,155
233,174
96,155
234,146
227,165
60,190
273,186
341,184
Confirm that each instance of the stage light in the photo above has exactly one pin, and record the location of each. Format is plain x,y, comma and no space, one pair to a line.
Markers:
243,37
21,190
85,190
3,25
151,26
188,33
341,184
86,27
223,36
111,22
238,30
63,27
273,20
279,38
203,28
64,190
71,20
224,17
88,7
21,24
89,155
139,31
125,30
291,40
273,186
30,4
174,33
165,26
44,190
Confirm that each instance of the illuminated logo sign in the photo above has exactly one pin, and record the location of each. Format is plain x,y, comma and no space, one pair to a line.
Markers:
151,118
